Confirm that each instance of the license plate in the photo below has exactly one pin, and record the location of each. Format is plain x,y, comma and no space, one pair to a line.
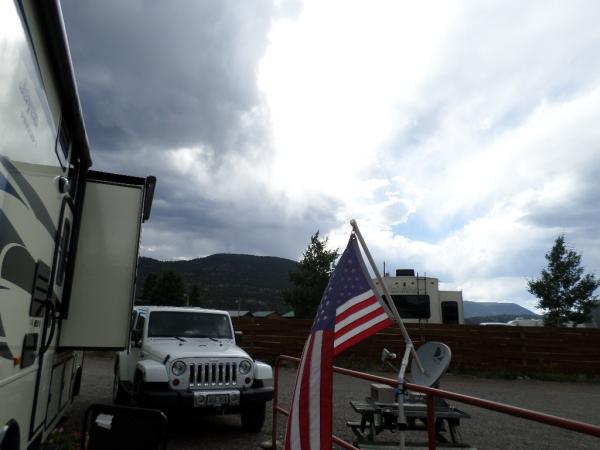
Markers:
217,400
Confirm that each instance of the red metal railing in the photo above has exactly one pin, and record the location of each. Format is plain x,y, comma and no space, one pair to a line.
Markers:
431,393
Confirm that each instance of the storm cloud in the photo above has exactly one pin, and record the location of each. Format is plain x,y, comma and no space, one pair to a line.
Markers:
463,137
167,74
170,89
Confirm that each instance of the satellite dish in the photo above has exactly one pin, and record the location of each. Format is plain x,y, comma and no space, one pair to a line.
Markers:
435,358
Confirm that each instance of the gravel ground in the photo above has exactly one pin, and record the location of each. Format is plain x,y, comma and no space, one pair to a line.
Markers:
486,429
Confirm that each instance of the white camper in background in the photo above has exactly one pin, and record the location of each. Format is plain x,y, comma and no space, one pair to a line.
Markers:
526,322
419,299
69,237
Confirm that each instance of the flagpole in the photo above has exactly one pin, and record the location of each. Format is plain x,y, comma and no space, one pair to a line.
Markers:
390,302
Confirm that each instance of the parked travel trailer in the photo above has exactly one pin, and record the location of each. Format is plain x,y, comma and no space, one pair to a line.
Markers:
526,322
69,237
419,300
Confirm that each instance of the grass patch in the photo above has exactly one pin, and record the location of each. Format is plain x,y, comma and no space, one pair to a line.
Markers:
62,440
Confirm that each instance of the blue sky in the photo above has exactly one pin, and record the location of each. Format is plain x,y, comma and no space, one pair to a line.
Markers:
463,136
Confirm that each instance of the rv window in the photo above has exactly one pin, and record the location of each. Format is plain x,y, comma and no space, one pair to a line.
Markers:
450,312
62,145
412,306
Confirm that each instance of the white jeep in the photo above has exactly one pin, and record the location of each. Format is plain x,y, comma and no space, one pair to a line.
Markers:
188,357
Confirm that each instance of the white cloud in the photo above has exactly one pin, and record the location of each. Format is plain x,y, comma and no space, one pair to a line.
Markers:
471,121
463,137
332,80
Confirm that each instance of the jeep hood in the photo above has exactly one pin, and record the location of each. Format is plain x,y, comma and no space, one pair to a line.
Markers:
193,348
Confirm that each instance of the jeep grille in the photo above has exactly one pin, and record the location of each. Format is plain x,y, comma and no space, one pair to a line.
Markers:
213,374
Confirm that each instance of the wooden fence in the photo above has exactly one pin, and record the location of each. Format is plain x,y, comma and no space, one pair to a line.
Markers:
474,347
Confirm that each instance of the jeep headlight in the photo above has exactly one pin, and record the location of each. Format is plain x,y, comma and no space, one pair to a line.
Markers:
245,367
178,368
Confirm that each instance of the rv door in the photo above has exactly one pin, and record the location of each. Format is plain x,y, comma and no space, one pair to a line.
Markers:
101,298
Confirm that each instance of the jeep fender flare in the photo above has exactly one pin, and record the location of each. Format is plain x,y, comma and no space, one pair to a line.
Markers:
152,371
262,371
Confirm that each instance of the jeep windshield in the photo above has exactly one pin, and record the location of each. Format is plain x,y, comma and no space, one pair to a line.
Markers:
178,324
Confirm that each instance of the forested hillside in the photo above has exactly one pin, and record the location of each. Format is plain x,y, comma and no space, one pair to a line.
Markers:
223,279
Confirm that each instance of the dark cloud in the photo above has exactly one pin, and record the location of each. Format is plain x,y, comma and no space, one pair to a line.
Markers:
158,76
166,74
577,212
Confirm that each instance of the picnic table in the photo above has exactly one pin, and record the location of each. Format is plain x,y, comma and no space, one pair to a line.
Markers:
377,417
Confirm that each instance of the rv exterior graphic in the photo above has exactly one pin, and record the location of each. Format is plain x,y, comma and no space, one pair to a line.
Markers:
69,237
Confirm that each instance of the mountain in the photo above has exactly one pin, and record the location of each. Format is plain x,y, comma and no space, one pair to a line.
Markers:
223,279
486,309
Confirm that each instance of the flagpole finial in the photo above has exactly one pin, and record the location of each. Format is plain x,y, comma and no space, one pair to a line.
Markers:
353,223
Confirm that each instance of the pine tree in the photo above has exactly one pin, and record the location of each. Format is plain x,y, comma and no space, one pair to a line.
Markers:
564,292
168,290
311,278
149,284
194,295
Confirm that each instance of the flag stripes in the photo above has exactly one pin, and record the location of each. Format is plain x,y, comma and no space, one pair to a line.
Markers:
355,317
309,421
356,312
364,331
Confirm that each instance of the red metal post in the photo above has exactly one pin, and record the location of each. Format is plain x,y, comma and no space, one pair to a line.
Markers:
342,443
275,405
431,435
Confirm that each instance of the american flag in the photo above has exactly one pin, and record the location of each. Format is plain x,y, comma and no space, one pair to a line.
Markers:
351,310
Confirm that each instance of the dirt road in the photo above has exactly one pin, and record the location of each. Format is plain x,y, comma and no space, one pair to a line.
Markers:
486,429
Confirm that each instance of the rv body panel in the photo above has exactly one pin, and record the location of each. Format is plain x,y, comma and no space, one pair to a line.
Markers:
30,209
44,160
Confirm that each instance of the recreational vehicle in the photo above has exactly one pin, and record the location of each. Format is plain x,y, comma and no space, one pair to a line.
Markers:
419,299
69,237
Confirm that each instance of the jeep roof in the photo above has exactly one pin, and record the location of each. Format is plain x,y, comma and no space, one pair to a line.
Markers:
192,309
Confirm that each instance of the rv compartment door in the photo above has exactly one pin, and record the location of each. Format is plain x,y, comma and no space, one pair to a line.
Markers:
105,263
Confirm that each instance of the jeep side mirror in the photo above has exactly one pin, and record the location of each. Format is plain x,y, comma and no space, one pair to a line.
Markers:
136,337
238,337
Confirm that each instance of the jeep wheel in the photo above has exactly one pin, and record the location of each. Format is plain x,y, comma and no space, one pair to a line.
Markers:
253,417
120,396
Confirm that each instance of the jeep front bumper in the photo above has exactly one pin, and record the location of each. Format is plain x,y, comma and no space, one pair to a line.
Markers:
191,399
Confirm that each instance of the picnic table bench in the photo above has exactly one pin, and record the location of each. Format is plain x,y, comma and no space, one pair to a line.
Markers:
377,417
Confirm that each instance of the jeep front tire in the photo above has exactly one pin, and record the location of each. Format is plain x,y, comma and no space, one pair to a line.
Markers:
120,396
253,417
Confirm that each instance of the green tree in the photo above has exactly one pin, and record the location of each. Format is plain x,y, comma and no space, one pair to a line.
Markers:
194,295
311,278
564,292
168,290
149,284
